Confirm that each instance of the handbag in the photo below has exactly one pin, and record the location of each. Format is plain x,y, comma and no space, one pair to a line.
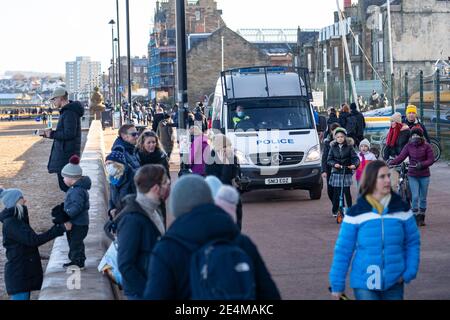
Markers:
109,266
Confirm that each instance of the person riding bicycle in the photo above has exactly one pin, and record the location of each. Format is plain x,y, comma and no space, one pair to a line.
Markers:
342,156
412,121
421,158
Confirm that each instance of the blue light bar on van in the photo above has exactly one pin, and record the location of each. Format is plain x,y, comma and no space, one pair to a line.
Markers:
261,70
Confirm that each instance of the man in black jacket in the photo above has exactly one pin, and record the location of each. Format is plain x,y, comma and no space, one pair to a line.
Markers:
139,226
67,136
198,221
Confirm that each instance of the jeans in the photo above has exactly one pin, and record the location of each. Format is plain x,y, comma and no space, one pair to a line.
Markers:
20,296
75,239
394,293
419,191
61,183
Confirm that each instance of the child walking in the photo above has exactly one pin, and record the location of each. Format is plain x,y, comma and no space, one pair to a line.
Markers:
76,205
342,156
365,157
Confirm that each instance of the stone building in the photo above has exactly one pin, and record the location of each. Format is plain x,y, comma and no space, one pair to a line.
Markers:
204,61
202,16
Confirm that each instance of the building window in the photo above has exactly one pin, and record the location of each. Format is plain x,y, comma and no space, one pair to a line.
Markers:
380,51
380,21
309,61
198,15
356,45
357,73
336,57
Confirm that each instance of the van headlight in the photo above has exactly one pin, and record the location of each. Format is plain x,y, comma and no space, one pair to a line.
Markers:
313,154
242,159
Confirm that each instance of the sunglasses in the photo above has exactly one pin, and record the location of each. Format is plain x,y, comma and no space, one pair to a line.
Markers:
134,134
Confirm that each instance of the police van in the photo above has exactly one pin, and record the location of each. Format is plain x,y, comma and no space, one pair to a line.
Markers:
266,113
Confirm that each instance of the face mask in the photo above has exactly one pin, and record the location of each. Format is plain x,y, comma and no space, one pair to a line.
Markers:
240,114
111,170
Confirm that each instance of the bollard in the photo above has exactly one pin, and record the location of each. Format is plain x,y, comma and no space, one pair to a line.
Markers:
437,104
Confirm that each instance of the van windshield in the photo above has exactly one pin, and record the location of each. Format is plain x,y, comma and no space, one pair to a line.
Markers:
263,114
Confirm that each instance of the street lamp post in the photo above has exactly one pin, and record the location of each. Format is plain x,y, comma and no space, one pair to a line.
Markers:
129,59
113,89
119,67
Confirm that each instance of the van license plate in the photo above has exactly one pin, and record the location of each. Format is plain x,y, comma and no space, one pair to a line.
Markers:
278,181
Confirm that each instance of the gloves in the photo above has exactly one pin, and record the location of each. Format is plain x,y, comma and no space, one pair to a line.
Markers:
419,166
59,216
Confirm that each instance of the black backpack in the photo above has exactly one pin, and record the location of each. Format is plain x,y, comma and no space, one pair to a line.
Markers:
221,270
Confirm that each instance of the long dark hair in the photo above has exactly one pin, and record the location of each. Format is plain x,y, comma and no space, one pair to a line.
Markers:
141,141
370,176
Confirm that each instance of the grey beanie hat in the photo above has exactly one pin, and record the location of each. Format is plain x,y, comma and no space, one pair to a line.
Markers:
9,197
72,169
214,184
188,193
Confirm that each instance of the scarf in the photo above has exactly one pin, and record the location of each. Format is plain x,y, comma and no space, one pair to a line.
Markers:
150,207
393,134
379,205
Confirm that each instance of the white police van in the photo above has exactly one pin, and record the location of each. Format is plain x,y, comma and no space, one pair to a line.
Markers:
275,134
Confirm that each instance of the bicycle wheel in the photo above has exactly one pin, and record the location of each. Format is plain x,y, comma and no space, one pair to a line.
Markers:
436,146
404,192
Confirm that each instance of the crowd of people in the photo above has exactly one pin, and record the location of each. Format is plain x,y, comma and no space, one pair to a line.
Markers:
205,241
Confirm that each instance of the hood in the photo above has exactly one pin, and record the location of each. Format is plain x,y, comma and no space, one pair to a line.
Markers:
84,182
203,224
6,213
127,146
349,141
74,106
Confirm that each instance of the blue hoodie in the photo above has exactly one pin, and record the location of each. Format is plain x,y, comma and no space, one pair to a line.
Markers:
386,245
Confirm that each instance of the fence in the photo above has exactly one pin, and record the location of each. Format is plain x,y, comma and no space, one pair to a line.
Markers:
430,93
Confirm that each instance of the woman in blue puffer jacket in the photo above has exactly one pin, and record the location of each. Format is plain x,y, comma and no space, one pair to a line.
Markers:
381,235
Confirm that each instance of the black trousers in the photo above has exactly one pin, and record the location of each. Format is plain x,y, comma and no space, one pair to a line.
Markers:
330,190
239,214
337,194
62,185
75,238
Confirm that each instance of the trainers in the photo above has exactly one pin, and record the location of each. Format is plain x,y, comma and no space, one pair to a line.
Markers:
334,215
73,264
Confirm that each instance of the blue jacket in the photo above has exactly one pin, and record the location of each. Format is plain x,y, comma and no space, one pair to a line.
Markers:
136,237
168,273
76,204
130,153
125,186
384,247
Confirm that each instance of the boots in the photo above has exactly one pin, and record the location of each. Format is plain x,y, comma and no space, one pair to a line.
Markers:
421,218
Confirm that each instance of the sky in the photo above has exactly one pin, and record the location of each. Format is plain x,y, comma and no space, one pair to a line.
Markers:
42,35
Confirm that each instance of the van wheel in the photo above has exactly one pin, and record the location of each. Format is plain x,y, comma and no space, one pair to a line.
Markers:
316,192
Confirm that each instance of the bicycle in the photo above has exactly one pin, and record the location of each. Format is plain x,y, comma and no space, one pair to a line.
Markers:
435,146
403,188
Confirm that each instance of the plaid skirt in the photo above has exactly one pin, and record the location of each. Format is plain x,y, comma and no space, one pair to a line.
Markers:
336,180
